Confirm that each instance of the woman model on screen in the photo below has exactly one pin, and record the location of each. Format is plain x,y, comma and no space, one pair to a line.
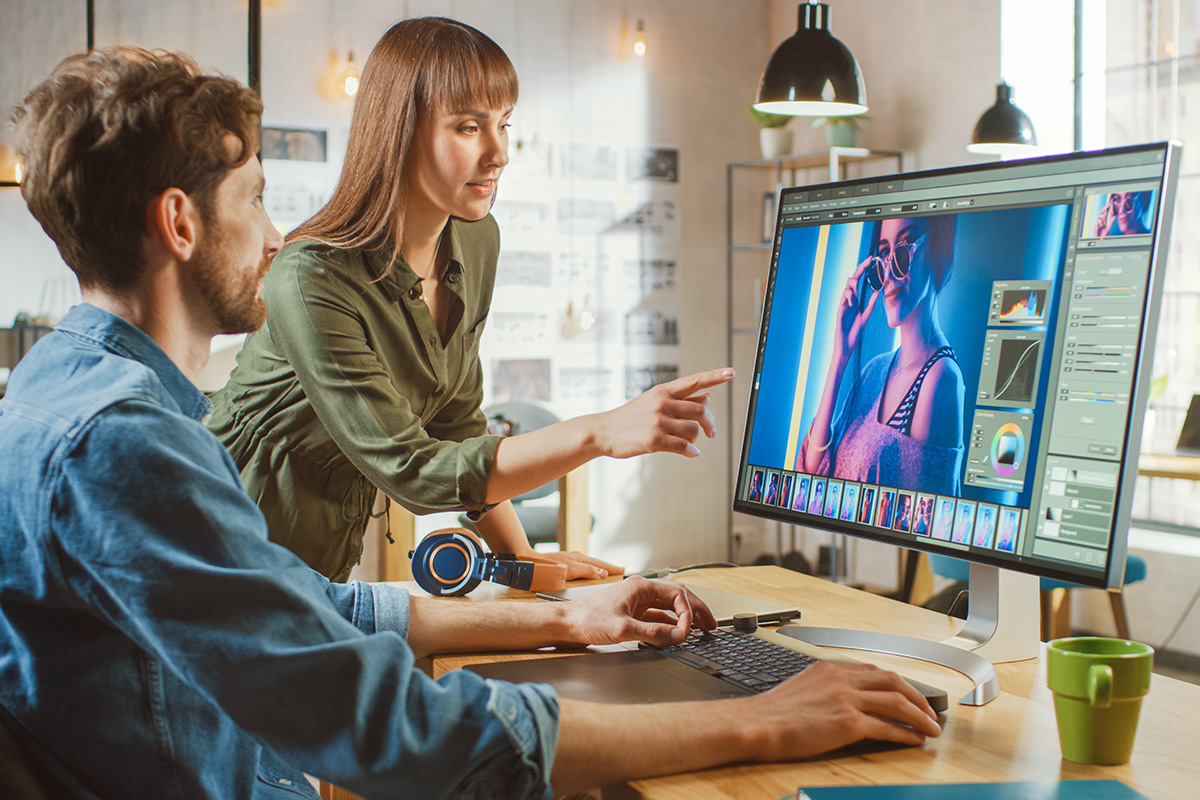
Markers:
367,374
902,423
1123,215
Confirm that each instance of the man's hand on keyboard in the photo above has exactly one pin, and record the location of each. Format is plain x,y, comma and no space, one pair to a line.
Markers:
635,610
831,705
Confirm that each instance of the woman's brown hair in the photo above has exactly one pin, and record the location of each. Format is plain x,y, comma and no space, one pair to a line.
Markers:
420,67
109,131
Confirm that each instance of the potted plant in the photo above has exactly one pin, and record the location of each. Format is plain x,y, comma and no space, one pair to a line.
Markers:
774,138
839,131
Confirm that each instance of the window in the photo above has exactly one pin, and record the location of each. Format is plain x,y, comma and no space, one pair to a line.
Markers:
1140,82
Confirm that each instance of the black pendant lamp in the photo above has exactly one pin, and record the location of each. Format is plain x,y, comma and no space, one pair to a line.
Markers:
1004,129
812,74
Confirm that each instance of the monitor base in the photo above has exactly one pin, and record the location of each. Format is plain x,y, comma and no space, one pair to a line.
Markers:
976,667
1003,624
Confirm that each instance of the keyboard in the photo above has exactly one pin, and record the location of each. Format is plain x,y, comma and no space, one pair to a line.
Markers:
739,658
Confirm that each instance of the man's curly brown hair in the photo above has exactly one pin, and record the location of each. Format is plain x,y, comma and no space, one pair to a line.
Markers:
109,131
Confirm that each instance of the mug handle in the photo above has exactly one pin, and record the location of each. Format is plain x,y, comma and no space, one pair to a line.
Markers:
1100,677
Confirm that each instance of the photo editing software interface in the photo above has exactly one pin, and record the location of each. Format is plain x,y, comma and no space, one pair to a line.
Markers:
948,360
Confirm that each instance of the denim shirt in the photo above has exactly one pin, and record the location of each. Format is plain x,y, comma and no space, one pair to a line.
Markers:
153,643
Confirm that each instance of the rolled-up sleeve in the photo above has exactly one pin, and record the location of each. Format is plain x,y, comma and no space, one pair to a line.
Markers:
172,552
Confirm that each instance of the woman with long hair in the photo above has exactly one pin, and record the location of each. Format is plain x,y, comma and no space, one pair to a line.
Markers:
367,375
902,423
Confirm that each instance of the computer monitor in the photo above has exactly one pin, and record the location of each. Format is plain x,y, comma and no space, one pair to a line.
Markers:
957,361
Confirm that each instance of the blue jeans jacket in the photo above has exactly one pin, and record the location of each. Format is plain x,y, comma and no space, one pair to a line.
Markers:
153,643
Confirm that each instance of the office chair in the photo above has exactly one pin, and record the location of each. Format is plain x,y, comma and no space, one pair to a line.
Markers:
1056,598
569,522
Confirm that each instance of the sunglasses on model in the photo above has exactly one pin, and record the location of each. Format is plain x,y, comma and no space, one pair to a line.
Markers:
1125,204
896,263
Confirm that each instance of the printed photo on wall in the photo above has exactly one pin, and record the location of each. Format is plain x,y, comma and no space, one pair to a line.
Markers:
521,379
652,164
293,144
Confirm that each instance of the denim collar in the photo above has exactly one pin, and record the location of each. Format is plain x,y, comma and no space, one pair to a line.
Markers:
123,338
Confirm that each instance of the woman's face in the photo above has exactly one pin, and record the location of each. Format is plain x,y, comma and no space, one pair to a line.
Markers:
902,295
1128,208
455,162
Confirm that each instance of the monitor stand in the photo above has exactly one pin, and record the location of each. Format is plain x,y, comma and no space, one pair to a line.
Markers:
1003,624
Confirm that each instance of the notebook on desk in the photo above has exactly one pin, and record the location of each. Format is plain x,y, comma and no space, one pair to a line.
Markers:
723,663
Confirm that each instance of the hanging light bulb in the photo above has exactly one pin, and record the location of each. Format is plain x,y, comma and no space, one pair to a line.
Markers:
18,171
350,76
639,40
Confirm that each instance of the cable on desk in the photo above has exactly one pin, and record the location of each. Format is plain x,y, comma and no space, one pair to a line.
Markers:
960,598
662,573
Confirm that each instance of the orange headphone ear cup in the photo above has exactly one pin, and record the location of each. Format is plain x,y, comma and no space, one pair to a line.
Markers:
444,562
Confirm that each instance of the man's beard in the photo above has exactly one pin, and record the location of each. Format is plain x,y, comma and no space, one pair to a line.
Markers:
231,293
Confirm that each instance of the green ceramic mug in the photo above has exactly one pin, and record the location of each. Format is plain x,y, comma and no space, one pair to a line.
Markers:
1098,685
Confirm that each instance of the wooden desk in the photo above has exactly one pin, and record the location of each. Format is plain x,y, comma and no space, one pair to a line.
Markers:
1182,468
1012,738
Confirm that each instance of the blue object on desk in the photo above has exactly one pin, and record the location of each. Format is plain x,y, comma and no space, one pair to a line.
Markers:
1019,790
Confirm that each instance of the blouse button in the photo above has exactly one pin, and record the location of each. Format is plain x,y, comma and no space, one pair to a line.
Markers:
452,277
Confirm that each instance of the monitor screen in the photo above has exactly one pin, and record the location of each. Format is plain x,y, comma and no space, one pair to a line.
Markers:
956,360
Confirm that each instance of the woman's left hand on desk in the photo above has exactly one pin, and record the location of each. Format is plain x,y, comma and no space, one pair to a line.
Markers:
580,566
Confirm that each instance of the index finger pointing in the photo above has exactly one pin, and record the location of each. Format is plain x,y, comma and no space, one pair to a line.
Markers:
690,384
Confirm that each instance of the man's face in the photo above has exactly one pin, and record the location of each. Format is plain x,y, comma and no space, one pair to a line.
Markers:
235,249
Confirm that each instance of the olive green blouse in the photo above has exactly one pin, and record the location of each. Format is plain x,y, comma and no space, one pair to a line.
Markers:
348,387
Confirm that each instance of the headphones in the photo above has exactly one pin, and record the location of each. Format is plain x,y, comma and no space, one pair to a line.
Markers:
452,562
